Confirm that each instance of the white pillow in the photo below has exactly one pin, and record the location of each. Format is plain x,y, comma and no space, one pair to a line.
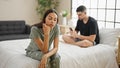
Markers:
109,36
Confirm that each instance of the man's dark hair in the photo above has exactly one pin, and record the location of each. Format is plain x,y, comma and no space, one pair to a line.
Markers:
81,8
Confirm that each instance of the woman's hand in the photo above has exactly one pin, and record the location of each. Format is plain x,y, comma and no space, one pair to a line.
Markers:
43,61
46,29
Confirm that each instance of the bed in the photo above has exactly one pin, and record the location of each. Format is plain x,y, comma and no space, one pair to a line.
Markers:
12,53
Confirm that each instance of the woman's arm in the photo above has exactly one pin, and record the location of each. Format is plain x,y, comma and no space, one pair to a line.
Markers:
50,53
46,44
43,45
39,43
55,48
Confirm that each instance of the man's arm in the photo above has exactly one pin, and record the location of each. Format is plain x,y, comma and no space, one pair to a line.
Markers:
90,38
82,37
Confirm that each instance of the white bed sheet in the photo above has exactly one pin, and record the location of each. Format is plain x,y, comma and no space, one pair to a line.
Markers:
12,55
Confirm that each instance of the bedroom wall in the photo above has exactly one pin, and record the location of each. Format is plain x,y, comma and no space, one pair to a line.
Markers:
64,5
19,10
26,10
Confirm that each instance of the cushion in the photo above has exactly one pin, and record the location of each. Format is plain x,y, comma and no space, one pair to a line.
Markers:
109,36
12,27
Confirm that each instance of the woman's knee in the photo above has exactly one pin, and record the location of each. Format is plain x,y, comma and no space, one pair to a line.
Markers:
55,61
55,57
37,55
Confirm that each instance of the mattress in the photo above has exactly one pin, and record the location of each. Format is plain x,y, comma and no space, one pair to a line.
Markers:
12,55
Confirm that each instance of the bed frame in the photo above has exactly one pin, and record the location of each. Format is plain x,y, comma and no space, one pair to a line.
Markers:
118,56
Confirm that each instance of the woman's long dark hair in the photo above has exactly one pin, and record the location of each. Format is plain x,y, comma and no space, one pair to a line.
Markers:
39,25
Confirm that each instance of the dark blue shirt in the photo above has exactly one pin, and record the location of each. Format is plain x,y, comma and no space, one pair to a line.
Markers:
90,28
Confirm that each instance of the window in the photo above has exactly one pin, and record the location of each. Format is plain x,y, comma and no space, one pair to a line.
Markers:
118,15
109,25
102,24
93,13
101,14
110,15
93,3
117,25
106,12
118,5
111,4
101,3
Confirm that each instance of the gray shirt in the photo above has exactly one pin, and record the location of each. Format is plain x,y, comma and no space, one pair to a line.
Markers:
38,32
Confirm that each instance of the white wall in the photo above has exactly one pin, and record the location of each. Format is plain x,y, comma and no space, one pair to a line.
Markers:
19,10
26,10
64,5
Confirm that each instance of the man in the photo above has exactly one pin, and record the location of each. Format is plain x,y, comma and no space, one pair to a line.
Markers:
88,28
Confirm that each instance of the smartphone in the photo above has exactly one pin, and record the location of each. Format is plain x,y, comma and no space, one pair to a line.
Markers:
71,29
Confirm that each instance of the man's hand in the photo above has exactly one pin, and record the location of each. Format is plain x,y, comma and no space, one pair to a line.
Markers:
43,61
71,33
74,34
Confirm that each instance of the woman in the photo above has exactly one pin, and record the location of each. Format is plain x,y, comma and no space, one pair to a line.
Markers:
42,35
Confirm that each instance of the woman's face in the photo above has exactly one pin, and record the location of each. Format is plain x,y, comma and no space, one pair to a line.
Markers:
51,20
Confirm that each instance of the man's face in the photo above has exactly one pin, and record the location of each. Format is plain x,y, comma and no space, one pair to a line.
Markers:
81,15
